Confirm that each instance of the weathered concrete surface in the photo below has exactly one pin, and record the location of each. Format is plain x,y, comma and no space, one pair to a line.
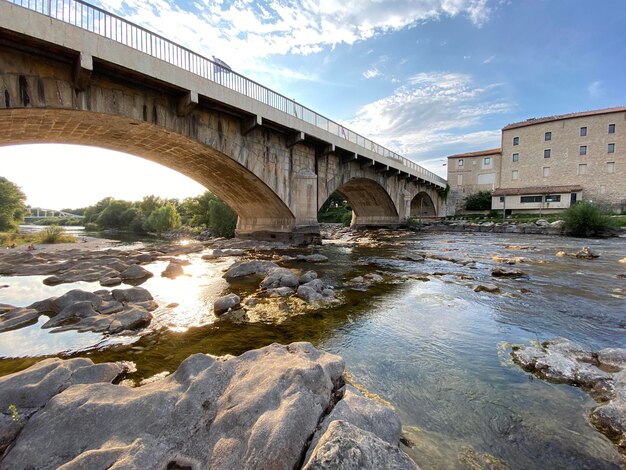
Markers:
131,102
258,410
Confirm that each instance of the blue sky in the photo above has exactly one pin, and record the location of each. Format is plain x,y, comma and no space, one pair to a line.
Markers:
426,78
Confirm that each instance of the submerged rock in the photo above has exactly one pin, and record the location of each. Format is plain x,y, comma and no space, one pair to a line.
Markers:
203,416
492,288
315,258
173,270
561,361
498,272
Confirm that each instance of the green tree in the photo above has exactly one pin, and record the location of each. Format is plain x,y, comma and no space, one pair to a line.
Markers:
93,212
335,210
480,201
116,215
200,210
222,219
162,219
12,208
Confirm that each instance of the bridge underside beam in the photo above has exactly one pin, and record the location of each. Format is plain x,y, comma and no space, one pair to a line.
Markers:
187,103
295,138
251,123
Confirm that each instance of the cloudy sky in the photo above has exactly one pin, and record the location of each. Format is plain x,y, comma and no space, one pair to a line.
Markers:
426,78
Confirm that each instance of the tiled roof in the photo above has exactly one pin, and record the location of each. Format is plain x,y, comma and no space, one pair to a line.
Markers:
574,188
533,121
477,154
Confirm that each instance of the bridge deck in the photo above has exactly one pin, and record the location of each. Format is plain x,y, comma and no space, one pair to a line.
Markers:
97,34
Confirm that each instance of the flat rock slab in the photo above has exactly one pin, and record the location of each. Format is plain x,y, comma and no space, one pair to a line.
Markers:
257,410
247,268
602,374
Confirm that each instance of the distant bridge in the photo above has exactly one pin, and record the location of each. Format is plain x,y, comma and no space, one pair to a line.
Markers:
41,213
76,74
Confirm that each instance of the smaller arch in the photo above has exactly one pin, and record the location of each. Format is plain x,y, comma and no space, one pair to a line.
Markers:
371,204
422,206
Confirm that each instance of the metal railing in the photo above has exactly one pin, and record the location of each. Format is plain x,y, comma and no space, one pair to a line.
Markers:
110,26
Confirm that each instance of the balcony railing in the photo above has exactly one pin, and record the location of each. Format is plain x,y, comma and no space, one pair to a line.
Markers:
110,26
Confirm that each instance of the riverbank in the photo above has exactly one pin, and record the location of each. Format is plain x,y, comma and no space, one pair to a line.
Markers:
540,227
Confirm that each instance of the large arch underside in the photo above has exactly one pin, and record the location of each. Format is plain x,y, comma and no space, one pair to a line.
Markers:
254,202
422,206
370,202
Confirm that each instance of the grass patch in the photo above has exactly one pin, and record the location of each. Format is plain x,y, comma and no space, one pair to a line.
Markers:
54,234
49,235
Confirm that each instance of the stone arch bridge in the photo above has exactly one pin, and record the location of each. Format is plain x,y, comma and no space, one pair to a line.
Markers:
74,74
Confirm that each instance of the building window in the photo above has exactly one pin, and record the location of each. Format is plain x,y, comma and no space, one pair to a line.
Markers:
548,136
582,169
582,150
515,175
516,157
501,198
546,153
515,140
610,167
527,199
611,128
553,198
583,131
546,171
487,161
460,162
611,148
459,180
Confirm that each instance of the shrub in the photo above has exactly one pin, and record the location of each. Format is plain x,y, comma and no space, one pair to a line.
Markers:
480,201
55,234
91,227
585,220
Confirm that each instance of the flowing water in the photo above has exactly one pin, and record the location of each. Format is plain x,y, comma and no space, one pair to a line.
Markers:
435,350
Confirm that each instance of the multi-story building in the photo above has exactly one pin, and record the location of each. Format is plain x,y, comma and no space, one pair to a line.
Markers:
549,163
471,172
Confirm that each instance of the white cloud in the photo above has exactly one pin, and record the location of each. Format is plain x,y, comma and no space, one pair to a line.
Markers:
371,73
241,31
432,112
489,59
595,89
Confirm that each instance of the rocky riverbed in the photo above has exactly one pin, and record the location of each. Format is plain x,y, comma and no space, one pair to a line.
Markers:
279,407
425,321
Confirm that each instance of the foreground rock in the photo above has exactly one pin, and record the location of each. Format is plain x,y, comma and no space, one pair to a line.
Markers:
27,392
257,410
101,311
602,374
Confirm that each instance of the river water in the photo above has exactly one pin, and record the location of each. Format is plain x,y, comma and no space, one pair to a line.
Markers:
434,349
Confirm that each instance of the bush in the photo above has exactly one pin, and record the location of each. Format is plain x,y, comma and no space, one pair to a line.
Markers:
585,220
55,234
480,201
91,227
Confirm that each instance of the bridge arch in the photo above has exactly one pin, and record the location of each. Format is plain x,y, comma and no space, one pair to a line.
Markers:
422,206
256,204
370,203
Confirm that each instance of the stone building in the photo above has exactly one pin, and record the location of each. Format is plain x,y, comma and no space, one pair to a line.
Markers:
547,164
469,173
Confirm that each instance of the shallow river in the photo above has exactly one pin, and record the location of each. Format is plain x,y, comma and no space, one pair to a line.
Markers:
436,350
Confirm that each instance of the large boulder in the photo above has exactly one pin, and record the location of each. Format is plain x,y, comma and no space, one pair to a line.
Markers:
26,392
135,273
347,447
257,410
225,303
279,277
173,270
247,268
